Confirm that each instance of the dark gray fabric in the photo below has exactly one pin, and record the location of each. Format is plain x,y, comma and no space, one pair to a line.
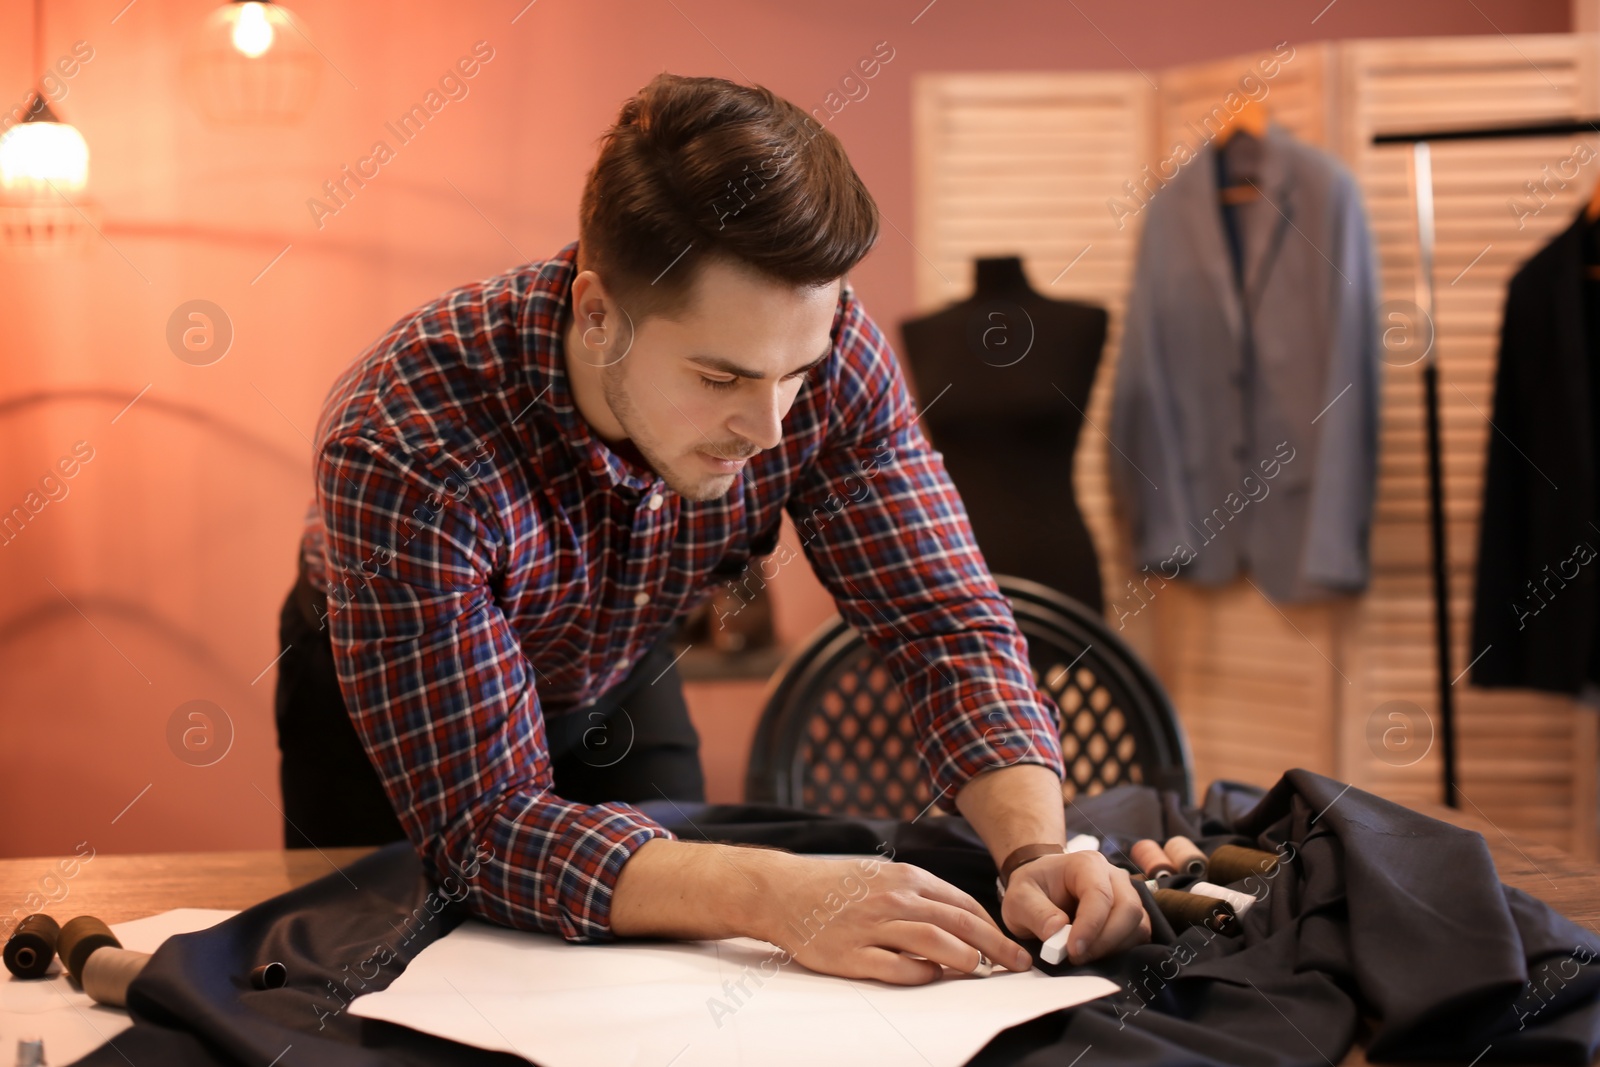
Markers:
1376,913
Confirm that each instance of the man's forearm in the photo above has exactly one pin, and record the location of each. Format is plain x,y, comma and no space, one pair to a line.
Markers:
1015,805
693,890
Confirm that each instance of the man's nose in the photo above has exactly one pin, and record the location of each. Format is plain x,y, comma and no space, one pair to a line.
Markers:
761,423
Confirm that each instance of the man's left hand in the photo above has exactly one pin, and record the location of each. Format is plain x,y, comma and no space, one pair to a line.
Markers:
1098,899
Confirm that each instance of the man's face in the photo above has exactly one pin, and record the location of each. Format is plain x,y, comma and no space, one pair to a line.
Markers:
702,393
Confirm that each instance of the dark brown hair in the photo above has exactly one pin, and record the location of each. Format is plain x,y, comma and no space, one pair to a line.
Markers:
702,167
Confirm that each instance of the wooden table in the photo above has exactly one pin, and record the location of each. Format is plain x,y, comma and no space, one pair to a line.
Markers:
119,888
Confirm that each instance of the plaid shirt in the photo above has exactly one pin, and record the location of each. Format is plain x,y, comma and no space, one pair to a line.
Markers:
498,565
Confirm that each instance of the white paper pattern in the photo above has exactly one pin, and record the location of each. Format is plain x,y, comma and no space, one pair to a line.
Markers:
649,1003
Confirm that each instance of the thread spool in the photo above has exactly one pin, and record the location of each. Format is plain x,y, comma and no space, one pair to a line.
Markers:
32,945
1242,902
1184,910
269,976
108,971
1185,856
30,1052
1230,863
79,939
1153,861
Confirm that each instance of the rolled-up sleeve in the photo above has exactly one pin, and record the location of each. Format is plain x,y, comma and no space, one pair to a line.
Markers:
444,700
886,532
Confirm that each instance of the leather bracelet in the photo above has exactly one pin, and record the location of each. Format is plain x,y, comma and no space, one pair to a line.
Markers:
1027,854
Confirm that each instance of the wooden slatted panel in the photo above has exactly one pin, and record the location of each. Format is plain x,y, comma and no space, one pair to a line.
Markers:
1522,758
1027,164
1296,95
1261,689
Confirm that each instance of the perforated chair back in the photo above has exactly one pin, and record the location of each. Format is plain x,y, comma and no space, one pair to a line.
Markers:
835,734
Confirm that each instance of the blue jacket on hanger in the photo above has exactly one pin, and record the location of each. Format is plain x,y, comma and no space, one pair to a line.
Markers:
1245,425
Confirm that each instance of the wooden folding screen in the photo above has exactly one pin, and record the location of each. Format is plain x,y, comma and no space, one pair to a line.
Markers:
1034,165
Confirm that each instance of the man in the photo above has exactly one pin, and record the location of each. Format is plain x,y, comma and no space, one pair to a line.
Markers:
524,484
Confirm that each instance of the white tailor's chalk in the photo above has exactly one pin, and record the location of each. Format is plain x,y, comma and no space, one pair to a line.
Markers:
1242,902
1055,946
1083,843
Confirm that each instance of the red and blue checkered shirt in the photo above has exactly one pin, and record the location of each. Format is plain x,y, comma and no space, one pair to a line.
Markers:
494,564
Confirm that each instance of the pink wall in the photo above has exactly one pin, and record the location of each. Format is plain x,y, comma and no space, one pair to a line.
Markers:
157,579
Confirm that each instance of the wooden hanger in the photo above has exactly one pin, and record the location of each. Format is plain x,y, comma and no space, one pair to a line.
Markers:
1251,119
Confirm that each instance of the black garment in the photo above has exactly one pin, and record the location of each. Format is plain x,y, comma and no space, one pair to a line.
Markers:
635,738
1005,377
1591,323
1534,614
1376,913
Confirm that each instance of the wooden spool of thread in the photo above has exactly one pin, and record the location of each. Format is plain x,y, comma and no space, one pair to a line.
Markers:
1230,863
30,1052
79,939
108,972
1184,910
1153,861
32,946
1185,856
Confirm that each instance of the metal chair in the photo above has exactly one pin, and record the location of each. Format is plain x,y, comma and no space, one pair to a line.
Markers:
835,734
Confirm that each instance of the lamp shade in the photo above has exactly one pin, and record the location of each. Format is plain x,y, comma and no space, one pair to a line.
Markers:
251,63
42,152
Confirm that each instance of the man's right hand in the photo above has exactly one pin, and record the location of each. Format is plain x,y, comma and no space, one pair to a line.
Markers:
861,917
858,918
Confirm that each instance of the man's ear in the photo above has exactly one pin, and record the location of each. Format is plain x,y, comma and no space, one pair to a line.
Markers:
605,328
591,301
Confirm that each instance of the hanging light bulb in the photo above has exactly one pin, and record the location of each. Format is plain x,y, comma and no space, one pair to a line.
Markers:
42,153
44,169
252,30
250,63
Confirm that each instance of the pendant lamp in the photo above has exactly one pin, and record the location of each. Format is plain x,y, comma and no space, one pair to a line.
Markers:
44,170
251,64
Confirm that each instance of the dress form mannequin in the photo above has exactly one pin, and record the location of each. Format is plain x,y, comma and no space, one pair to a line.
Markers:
1004,377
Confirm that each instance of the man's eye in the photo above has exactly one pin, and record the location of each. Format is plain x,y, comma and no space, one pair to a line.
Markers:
713,383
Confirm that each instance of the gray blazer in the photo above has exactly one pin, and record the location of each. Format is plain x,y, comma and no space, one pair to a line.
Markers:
1246,438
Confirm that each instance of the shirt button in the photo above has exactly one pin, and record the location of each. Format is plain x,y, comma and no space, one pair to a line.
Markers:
641,599
654,501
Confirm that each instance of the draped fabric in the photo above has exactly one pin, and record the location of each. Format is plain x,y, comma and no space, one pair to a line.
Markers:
1375,912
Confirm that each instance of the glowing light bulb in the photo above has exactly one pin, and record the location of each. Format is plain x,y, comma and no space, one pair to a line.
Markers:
37,155
250,63
252,32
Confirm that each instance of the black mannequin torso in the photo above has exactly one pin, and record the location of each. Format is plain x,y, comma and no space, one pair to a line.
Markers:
1004,377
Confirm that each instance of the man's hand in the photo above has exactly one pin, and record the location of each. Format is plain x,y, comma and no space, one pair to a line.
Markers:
1105,911
1022,804
860,919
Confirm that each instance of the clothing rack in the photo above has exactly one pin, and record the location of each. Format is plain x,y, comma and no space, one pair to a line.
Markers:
1422,192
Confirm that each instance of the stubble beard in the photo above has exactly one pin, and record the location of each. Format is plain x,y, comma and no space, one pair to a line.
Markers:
614,389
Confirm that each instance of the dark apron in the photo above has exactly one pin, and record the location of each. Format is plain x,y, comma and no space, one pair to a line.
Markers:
635,742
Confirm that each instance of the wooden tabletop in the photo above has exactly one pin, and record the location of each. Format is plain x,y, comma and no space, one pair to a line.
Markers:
119,888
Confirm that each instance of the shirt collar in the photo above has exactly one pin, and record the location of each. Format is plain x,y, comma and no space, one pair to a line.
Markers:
543,330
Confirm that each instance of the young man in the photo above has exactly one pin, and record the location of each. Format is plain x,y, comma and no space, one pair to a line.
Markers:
524,484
